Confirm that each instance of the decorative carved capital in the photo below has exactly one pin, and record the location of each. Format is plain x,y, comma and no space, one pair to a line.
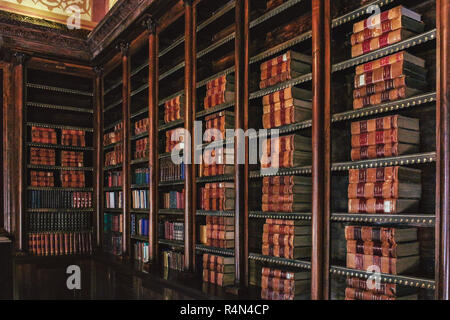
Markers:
98,70
124,47
149,23
19,58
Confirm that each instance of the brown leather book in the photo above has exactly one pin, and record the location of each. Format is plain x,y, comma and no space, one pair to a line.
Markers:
271,198
220,81
383,249
293,67
290,223
394,266
286,58
279,78
286,181
287,207
388,85
392,59
286,252
384,97
383,151
387,289
382,206
289,230
275,239
381,42
386,123
276,273
384,190
287,94
287,116
292,142
385,137
285,286
271,295
356,294
218,99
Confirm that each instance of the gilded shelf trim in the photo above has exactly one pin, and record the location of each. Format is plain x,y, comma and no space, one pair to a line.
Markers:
280,261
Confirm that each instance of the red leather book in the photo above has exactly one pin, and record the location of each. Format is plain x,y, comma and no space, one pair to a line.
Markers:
380,42
357,294
382,206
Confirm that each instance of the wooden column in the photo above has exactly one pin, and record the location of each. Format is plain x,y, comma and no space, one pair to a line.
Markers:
153,100
319,131
19,158
241,142
98,154
189,91
443,150
126,91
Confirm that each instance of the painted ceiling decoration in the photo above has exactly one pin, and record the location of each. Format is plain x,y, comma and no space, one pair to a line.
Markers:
90,11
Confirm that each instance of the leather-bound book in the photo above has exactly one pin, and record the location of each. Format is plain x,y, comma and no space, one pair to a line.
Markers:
383,151
287,94
279,115
380,42
294,287
383,249
386,123
356,294
220,121
291,230
273,198
400,22
275,239
218,99
289,223
410,62
305,105
289,30
382,206
293,142
384,91
220,81
387,289
385,190
287,275
286,252
287,207
271,295
384,97
394,266
376,20
389,174
385,137
287,181
283,65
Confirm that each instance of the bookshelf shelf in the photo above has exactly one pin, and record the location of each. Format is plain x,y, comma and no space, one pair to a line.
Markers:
57,107
112,106
280,261
59,147
175,44
58,89
139,161
171,243
403,45
407,160
379,110
60,127
59,189
281,172
110,168
171,125
175,212
205,249
359,13
215,179
280,215
203,82
281,86
203,213
111,146
39,167
214,110
172,70
140,68
166,99
139,136
139,186
386,278
216,15
413,220
139,238
112,188
113,87
215,46
59,210
112,125
171,183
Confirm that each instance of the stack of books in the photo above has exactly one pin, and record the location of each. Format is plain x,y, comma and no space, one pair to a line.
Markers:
43,135
115,136
217,161
173,200
219,91
140,199
384,29
139,226
72,159
174,140
142,149
141,252
173,260
287,194
115,157
219,270
382,250
286,152
174,109
283,68
218,197
216,123
45,157
114,200
60,243
73,179
113,179
75,138
42,179
173,230
359,289
390,190
54,199
395,77
142,176
220,232
59,222
113,223
390,136
285,285
288,239
141,126
288,106
170,171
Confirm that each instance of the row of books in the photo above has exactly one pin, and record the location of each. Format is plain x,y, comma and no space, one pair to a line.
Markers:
173,260
362,289
53,199
140,199
59,222
115,157
174,109
41,156
219,270
287,194
289,239
286,152
142,149
139,226
283,68
170,171
217,124
113,179
113,244
174,140
172,230
218,197
216,162
279,284
219,91
42,179
141,126
141,251
141,176
115,136
58,244
114,200
112,223
72,159
173,200
43,135
385,29
75,138
73,179
220,232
